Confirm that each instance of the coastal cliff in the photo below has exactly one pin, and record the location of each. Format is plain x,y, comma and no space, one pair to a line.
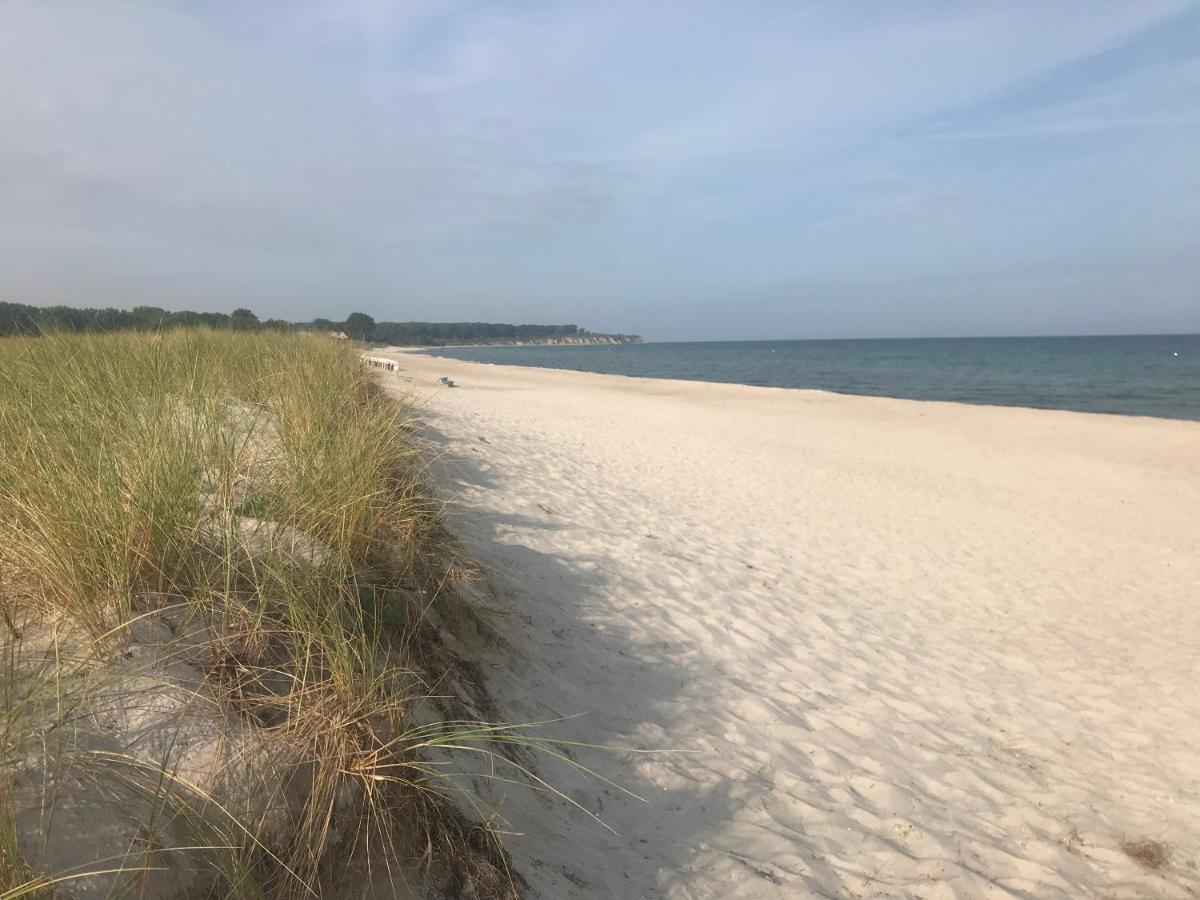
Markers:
569,339
547,341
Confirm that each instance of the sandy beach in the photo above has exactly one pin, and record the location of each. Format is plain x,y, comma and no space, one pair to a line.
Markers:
881,648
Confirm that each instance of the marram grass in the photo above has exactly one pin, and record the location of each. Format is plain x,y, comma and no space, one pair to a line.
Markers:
263,488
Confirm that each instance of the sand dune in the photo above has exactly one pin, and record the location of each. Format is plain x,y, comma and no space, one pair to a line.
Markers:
891,649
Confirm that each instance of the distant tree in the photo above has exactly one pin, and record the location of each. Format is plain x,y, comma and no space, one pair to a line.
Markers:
359,326
148,317
17,318
243,319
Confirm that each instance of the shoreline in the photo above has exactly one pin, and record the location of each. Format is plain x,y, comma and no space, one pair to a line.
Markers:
870,645
650,380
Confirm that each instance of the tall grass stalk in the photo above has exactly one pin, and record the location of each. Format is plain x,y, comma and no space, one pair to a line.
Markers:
261,490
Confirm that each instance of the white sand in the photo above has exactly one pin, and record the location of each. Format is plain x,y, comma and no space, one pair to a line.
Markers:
903,649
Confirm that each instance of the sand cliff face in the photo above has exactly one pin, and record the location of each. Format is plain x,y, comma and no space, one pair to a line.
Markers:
594,339
566,339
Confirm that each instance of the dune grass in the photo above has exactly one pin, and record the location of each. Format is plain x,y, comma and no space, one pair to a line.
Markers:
258,494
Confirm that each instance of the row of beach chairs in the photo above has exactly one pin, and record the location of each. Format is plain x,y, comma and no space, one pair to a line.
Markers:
382,362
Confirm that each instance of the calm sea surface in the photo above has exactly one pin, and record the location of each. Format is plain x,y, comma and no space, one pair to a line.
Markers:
1145,375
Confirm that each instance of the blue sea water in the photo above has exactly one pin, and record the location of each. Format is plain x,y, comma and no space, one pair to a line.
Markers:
1145,375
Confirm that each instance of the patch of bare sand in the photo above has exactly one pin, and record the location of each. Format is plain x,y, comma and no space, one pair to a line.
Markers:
898,649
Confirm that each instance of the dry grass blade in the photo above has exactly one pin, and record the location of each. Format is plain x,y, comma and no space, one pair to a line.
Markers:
221,542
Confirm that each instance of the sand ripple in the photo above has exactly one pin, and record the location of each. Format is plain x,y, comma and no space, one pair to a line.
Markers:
888,649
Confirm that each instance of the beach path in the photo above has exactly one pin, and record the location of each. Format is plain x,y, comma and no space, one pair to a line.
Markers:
882,648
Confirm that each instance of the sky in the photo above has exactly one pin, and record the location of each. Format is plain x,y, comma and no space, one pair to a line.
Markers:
686,171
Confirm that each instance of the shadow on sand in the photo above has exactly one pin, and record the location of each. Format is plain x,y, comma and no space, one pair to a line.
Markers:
573,663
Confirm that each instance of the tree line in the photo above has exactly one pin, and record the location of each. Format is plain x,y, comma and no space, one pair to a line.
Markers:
362,327
20,318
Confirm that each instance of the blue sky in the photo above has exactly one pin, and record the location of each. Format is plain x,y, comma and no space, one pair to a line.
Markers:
683,170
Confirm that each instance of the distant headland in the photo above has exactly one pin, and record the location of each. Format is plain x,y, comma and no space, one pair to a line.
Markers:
582,337
20,318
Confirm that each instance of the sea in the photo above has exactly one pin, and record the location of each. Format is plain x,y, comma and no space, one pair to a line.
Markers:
1140,375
